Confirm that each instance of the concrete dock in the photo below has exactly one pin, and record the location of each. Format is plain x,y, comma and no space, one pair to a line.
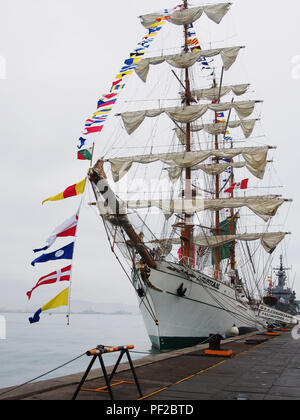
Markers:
268,370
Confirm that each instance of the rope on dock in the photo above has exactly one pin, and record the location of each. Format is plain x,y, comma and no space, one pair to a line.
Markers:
41,376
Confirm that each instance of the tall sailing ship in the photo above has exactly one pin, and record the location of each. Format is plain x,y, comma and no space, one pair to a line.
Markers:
191,248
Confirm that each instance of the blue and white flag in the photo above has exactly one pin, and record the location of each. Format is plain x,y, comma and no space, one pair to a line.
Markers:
65,253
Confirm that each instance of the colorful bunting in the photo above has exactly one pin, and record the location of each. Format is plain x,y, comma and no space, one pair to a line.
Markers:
106,102
194,45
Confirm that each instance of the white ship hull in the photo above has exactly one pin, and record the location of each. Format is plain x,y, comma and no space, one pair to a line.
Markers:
208,307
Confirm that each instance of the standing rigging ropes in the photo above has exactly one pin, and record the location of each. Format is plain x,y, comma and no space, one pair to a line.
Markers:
97,177
238,314
149,309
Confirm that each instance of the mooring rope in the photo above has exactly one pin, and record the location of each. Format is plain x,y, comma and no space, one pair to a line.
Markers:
41,376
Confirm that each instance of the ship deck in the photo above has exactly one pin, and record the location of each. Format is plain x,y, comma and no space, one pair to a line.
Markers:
265,371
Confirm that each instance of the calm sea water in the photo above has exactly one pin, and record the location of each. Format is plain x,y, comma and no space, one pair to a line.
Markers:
31,350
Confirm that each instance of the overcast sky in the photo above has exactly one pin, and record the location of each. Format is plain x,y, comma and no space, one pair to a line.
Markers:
61,55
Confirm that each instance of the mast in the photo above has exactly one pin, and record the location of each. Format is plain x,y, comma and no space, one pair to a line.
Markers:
217,196
232,221
232,213
187,234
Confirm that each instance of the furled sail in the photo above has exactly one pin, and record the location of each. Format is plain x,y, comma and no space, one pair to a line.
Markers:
188,59
215,12
269,240
218,168
255,159
218,128
214,94
263,206
188,114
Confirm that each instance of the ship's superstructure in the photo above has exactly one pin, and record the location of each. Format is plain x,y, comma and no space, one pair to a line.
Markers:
280,296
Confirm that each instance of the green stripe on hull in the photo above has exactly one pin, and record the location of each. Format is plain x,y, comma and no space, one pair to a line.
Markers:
175,343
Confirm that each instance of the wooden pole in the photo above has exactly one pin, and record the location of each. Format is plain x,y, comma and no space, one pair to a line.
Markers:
217,196
187,233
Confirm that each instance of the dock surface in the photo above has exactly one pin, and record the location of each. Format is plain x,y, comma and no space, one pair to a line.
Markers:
264,371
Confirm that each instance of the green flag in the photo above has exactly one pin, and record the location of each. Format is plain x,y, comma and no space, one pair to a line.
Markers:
85,154
224,250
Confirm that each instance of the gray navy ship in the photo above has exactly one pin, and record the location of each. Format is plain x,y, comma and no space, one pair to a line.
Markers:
281,297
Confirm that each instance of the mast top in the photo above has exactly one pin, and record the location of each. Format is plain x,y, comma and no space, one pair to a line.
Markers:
281,268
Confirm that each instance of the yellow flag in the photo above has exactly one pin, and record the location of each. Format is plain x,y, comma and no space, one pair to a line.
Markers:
60,300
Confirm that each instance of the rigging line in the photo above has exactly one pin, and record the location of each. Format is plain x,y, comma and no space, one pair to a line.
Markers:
264,273
41,376
237,314
198,142
249,295
249,253
150,309
184,87
114,135
122,266
251,260
148,213
241,316
75,242
245,266
135,212
203,43
257,281
151,100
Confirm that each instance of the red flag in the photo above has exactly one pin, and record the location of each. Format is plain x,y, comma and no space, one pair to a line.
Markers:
90,130
117,82
110,95
57,276
243,185
231,189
